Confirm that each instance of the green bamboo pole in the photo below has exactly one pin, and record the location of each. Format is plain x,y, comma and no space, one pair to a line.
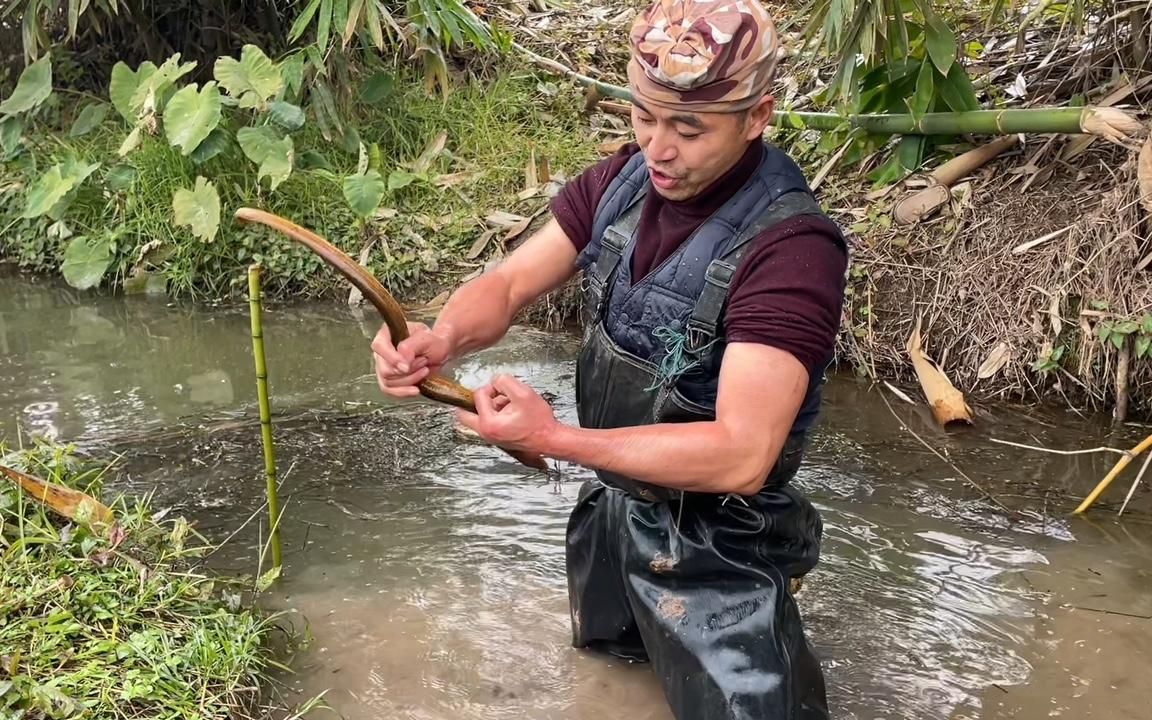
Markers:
1110,123
254,295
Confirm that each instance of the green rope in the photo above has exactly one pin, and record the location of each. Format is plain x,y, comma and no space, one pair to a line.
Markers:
677,359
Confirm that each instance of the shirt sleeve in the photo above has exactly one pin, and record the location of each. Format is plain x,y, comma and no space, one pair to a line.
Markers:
574,207
788,291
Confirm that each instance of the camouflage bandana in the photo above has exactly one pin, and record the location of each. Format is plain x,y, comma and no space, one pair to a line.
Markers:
703,55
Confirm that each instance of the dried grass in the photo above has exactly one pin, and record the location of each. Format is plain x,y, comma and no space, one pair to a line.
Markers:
961,274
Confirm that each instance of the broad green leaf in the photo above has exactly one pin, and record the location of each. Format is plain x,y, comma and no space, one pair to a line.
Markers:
910,151
957,90
198,209
89,119
286,115
85,261
155,87
398,179
145,282
266,580
364,192
120,177
1146,324
191,116
132,141
1143,343
252,79
921,100
73,172
312,160
377,88
123,86
10,129
939,39
273,154
48,190
33,88
1118,340
217,142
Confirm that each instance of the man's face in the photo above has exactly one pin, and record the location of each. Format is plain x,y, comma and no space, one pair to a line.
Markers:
686,152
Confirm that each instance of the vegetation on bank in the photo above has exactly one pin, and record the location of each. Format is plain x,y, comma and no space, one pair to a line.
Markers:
121,622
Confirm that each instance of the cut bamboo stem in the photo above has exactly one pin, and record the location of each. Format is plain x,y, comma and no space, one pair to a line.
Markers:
254,297
1113,474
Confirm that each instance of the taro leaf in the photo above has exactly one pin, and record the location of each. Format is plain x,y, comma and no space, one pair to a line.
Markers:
85,261
123,86
49,189
273,154
132,141
149,95
217,142
89,119
10,129
145,282
312,160
364,192
191,115
398,179
198,209
286,115
252,79
33,88
120,177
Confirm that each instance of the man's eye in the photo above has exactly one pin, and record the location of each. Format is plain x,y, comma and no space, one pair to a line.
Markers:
689,136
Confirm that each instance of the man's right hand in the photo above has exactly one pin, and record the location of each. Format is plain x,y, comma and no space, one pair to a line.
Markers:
400,368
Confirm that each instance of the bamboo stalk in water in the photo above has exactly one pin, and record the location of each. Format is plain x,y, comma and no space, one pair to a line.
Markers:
254,295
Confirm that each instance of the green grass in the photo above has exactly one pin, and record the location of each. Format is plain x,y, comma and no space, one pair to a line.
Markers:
493,126
121,624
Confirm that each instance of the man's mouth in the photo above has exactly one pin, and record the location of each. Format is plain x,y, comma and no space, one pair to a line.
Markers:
661,180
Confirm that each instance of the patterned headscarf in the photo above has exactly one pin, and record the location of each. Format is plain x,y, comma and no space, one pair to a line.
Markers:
703,55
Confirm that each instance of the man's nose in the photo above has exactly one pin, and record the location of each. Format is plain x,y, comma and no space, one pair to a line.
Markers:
662,147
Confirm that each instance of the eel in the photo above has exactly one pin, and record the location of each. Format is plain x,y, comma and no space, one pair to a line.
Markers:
434,387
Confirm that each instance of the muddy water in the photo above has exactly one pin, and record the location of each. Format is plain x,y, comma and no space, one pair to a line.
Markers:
429,570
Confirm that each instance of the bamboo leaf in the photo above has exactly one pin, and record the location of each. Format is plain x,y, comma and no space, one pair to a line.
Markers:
957,90
191,115
89,119
938,38
921,100
375,29
364,192
351,24
302,21
252,79
32,89
86,261
198,209
324,26
995,361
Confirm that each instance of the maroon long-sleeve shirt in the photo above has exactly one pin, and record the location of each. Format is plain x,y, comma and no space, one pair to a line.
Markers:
789,287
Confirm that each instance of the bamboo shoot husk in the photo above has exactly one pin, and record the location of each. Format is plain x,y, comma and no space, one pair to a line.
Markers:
923,203
947,403
72,504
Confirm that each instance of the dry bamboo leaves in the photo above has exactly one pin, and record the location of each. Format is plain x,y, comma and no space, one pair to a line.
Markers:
74,505
1144,175
995,361
947,403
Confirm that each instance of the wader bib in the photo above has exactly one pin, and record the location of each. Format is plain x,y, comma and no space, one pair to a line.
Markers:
696,583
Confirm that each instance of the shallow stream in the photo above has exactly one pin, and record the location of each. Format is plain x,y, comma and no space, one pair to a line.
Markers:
430,569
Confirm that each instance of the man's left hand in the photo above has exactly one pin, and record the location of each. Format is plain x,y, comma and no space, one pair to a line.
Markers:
510,414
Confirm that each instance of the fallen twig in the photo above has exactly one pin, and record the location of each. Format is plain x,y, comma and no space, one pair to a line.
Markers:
1061,452
987,495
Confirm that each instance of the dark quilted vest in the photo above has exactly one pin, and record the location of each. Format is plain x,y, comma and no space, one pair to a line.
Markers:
677,310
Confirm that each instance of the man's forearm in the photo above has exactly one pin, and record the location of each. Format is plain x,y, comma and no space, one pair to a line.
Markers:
695,457
476,316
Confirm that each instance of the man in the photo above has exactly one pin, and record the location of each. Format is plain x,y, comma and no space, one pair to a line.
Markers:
713,296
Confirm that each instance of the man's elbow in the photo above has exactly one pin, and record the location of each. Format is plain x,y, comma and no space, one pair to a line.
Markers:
750,476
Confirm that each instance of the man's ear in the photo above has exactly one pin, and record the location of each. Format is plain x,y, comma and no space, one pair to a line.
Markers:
759,117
